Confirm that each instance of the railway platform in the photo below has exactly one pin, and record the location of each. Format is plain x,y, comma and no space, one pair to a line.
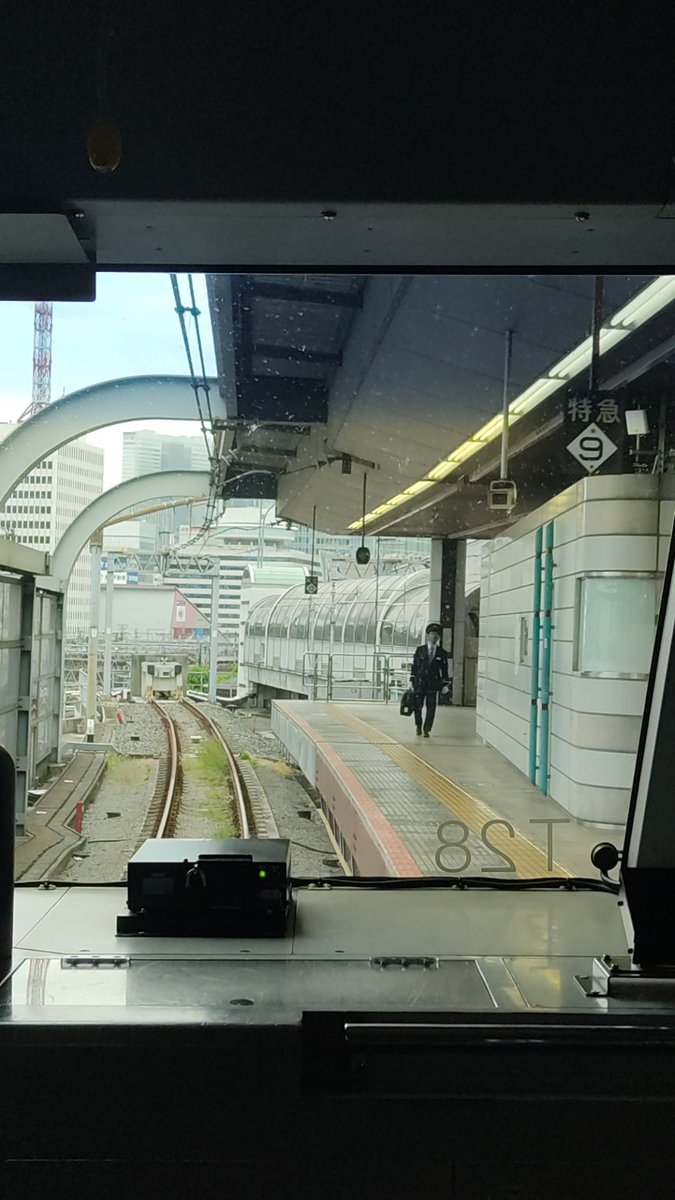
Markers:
401,805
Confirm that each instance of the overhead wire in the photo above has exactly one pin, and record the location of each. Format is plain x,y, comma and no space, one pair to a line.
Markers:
198,384
205,383
182,309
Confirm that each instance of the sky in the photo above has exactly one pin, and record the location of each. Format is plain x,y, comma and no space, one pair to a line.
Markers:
131,328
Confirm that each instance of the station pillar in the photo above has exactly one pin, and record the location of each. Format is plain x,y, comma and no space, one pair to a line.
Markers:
447,604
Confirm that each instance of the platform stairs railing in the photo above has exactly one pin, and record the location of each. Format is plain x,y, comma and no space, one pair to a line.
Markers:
357,674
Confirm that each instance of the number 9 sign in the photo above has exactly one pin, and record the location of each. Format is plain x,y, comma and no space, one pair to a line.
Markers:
592,448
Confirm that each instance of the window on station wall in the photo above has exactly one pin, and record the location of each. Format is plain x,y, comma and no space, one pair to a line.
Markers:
370,631
615,624
342,608
321,632
339,613
386,633
278,626
400,619
294,627
350,627
417,624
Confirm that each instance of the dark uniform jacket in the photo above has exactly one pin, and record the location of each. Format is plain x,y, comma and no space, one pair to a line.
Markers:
429,676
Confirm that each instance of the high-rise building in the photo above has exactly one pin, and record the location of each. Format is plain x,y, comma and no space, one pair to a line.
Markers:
42,507
244,536
144,452
141,453
133,537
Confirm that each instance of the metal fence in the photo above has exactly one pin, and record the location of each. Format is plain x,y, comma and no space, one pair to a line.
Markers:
355,675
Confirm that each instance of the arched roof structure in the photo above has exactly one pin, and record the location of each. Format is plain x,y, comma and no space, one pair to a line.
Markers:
135,398
109,504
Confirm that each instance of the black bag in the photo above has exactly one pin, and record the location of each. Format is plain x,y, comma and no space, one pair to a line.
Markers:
407,707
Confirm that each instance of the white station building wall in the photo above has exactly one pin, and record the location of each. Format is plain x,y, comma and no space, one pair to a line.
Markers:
610,536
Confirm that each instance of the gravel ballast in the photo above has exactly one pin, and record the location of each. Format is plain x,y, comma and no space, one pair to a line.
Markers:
288,794
112,839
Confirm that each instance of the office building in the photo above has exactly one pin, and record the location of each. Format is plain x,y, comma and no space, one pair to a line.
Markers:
49,498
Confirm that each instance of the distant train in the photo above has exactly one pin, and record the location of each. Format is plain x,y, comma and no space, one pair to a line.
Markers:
157,679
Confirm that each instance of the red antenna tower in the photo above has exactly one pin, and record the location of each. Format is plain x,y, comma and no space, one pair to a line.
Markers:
42,358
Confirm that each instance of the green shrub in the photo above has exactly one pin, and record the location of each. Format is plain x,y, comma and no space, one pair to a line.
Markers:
198,677
212,762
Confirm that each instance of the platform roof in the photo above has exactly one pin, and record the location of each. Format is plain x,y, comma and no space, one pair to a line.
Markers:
400,373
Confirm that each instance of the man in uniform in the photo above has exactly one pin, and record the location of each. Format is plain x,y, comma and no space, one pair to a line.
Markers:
429,676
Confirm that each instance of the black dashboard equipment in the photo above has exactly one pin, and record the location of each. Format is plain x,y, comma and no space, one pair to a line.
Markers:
185,887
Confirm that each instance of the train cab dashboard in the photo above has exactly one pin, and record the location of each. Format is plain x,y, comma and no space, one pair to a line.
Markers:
474,1024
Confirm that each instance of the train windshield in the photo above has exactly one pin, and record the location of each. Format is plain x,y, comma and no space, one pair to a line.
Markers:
367,563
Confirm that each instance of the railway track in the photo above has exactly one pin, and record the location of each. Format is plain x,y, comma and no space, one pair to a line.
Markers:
164,808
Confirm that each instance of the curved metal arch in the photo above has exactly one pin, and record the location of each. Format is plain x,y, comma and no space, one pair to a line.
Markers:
109,504
135,398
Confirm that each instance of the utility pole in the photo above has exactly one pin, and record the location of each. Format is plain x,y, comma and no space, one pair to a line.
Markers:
95,546
107,644
213,648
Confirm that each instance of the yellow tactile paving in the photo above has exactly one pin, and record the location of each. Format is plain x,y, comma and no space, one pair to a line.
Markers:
530,862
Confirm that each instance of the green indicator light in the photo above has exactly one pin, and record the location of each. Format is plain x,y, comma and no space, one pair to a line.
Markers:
262,874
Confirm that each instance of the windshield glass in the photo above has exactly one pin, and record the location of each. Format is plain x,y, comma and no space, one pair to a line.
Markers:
371,563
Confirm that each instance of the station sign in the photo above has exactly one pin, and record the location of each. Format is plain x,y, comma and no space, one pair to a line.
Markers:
596,426
592,448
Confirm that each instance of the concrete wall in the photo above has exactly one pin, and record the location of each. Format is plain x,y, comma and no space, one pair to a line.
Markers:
615,524
300,747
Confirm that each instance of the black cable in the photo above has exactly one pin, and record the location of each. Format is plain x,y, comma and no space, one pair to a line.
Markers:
395,883
205,383
459,882
45,885
314,849
181,310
